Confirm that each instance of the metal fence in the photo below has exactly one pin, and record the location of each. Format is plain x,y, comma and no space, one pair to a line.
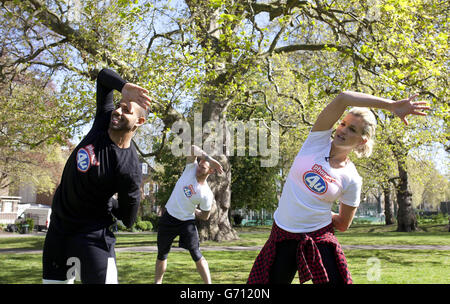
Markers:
252,217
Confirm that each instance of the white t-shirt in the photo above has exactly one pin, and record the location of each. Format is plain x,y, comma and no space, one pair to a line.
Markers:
188,194
313,185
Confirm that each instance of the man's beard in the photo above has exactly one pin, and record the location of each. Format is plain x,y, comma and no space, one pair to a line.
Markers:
121,125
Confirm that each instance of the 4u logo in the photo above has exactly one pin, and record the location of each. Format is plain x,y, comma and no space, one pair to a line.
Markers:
189,191
315,182
86,158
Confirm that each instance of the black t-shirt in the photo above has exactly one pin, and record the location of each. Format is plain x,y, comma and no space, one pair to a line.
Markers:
96,170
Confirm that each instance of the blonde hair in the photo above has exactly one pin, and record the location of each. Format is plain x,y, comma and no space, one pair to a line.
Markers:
368,132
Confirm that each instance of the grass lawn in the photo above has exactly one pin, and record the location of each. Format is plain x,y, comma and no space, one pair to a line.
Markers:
394,266
257,236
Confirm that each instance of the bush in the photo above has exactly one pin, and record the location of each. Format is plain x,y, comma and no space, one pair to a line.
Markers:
437,219
121,227
21,225
30,223
144,225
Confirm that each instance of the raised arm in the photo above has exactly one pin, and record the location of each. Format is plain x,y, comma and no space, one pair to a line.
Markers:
334,110
107,82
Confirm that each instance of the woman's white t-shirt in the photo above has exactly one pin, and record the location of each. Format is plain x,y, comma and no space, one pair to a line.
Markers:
188,194
313,185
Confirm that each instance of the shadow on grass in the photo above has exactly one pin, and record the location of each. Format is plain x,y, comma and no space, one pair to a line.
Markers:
21,269
32,243
397,266
225,267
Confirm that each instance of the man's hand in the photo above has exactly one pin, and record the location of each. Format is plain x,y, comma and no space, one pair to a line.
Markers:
132,92
215,165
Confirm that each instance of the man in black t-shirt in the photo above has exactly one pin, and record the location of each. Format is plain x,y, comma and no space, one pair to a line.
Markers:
104,163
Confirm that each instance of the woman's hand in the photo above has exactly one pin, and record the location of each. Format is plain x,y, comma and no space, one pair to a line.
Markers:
132,92
405,107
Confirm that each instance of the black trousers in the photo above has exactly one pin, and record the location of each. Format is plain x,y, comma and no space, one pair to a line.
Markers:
90,253
285,265
169,228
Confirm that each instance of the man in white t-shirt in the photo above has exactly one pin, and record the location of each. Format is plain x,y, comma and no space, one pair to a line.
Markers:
191,190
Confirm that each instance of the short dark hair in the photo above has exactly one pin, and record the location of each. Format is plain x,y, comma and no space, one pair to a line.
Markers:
144,112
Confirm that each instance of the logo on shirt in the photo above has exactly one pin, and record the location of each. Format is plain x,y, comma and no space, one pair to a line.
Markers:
316,179
86,158
189,191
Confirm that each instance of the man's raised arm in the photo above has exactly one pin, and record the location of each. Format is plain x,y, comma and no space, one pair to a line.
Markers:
107,82
197,152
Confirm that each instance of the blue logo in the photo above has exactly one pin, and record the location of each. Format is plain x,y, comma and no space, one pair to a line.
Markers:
83,160
315,182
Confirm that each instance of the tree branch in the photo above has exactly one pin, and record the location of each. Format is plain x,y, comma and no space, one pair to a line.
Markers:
276,8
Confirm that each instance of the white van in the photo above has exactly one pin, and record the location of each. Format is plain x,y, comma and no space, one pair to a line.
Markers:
41,217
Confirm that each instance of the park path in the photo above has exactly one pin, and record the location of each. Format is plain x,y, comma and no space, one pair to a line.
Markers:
253,248
230,248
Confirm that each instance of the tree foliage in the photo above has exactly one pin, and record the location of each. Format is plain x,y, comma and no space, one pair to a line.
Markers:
279,59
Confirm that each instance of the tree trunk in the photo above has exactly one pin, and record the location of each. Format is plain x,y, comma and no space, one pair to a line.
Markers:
388,206
406,218
378,197
218,227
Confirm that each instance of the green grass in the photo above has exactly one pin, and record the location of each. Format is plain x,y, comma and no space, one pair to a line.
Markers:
226,267
24,242
396,266
21,268
386,235
401,266
428,234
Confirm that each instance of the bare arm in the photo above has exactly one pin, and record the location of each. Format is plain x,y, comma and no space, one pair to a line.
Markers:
343,220
196,151
334,110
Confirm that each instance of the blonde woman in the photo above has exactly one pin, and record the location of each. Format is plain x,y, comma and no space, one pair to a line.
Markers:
302,237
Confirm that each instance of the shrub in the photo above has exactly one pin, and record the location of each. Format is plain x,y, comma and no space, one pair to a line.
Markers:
144,225
21,224
437,219
121,227
30,223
